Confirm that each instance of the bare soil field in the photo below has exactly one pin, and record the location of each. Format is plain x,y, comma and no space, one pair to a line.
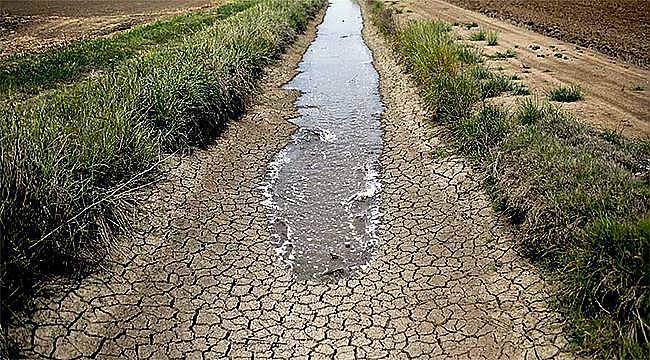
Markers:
28,26
619,28
617,95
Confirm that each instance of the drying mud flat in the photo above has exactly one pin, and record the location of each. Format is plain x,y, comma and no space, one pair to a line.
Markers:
28,26
619,28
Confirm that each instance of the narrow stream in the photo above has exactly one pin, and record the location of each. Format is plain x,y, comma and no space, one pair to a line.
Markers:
322,189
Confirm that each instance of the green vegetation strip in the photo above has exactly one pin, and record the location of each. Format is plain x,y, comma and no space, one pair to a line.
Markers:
28,74
68,158
578,196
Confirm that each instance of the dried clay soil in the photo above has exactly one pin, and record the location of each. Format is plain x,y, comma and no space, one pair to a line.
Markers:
200,278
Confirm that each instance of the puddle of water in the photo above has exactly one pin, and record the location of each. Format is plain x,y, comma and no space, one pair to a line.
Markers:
322,191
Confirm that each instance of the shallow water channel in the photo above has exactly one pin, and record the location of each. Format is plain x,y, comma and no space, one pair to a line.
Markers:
322,188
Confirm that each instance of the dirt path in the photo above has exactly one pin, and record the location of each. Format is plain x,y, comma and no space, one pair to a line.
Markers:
201,279
610,101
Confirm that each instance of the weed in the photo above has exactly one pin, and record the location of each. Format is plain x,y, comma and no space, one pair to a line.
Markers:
482,131
530,112
565,94
491,38
520,90
471,25
496,85
508,54
478,36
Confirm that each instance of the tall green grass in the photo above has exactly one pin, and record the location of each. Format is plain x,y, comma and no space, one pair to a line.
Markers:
69,158
579,197
28,74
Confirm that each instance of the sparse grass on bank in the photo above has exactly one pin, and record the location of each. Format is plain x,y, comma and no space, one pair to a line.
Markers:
578,197
28,74
69,158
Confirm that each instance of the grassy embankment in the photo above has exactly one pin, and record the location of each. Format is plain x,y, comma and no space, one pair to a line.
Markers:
25,75
577,196
69,157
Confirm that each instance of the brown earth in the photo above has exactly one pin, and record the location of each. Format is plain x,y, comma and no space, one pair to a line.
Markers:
619,28
29,26
610,99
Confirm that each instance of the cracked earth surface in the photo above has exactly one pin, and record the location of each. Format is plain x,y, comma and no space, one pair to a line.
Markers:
199,277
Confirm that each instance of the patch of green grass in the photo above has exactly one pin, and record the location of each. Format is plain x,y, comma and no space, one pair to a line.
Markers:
496,85
69,158
499,55
478,36
565,94
492,38
28,74
483,130
579,196
520,90
470,25
530,111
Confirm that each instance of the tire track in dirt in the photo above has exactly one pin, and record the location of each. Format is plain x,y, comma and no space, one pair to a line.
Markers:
200,277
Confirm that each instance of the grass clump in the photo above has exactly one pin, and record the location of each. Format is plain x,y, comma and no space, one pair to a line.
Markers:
566,94
579,196
478,36
483,130
70,157
28,74
491,38
531,111
500,55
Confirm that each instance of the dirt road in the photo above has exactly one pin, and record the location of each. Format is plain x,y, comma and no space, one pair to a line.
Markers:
29,26
611,101
200,278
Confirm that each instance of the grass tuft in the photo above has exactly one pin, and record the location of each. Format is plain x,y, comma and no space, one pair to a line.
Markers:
565,94
530,111
478,36
491,38
508,54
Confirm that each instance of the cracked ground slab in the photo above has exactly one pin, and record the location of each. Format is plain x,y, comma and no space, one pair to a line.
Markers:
199,277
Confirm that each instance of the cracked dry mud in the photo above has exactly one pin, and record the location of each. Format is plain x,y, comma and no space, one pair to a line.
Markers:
199,278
